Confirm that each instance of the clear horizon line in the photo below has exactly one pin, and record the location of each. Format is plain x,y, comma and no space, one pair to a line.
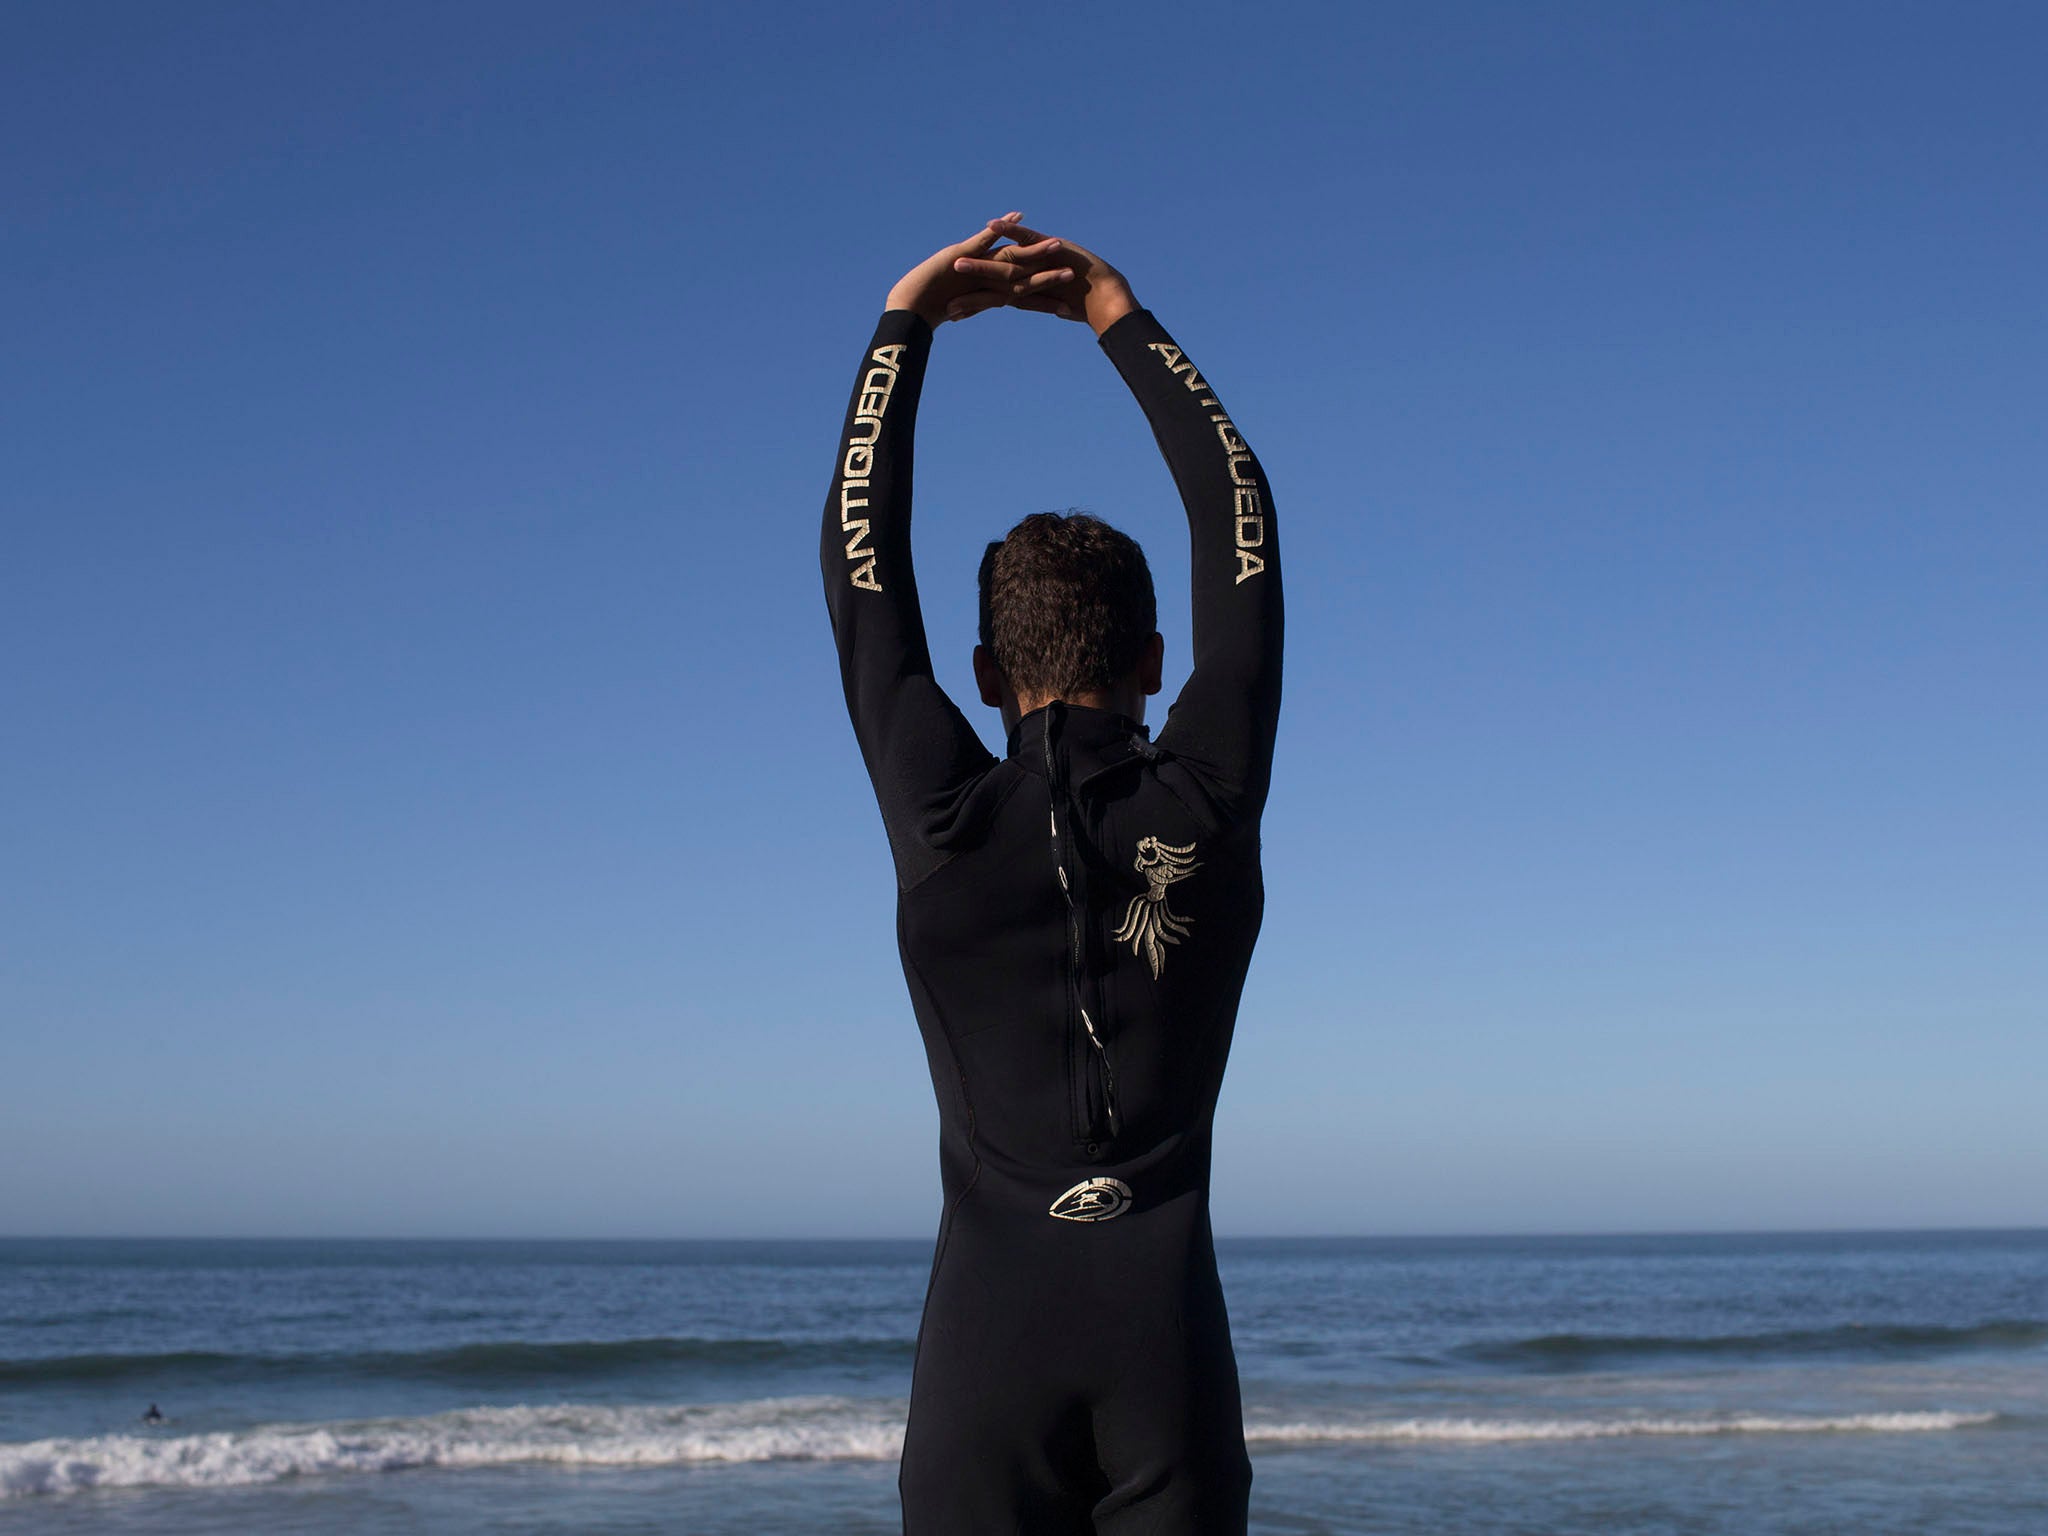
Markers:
1560,1235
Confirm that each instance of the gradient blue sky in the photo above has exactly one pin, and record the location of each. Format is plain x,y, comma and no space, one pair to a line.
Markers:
425,801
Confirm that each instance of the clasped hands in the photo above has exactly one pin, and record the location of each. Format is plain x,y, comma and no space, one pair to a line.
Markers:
1039,272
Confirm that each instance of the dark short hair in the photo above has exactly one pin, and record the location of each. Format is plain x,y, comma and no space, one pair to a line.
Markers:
1066,604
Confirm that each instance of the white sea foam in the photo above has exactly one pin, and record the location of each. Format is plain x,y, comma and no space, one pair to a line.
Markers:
770,1429
787,1428
1476,1431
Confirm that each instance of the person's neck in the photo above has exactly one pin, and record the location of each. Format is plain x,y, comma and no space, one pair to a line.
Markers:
1128,702
1098,700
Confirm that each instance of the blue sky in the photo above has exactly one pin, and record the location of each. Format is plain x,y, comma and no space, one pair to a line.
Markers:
426,805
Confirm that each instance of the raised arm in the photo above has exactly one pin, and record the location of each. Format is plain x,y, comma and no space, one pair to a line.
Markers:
1223,723
915,742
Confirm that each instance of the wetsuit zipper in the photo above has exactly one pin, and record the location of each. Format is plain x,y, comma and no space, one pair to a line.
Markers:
1091,1074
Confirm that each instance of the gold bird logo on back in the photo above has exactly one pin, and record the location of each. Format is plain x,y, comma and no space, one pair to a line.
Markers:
1150,924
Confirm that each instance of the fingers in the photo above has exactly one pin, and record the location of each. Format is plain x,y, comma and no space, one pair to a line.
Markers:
985,238
1007,275
1020,253
1011,274
987,271
1078,255
1009,225
1049,278
982,240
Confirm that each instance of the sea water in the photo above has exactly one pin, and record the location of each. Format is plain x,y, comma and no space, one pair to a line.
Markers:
1711,1386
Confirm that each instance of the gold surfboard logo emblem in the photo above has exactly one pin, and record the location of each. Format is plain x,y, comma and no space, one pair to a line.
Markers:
1093,1200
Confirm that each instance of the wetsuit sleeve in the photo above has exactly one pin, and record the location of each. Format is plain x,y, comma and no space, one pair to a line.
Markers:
917,745
1222,724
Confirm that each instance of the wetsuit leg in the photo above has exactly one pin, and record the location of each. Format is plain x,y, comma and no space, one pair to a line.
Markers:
1171,1433
999,1440
1000,1471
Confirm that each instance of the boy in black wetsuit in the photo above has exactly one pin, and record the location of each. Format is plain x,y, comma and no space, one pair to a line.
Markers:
1075,920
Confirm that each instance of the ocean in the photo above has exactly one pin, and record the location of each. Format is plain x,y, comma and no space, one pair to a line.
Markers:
1867,1383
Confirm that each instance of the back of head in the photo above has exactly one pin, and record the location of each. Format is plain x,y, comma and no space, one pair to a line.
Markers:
1066,605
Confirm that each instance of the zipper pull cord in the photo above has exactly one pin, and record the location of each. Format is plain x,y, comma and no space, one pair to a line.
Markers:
1108,1073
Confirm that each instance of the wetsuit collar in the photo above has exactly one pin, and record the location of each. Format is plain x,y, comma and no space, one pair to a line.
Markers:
1092,738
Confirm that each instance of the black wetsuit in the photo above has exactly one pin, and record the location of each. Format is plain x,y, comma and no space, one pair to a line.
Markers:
1075,921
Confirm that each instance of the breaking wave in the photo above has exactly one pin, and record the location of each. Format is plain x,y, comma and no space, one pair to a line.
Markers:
774,1429
1491,1431
818,1428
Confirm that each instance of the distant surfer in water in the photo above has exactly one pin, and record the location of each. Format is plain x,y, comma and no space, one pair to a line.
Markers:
1075,919
154,1416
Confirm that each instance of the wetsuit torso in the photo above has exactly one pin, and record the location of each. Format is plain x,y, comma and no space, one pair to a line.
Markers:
1075,919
